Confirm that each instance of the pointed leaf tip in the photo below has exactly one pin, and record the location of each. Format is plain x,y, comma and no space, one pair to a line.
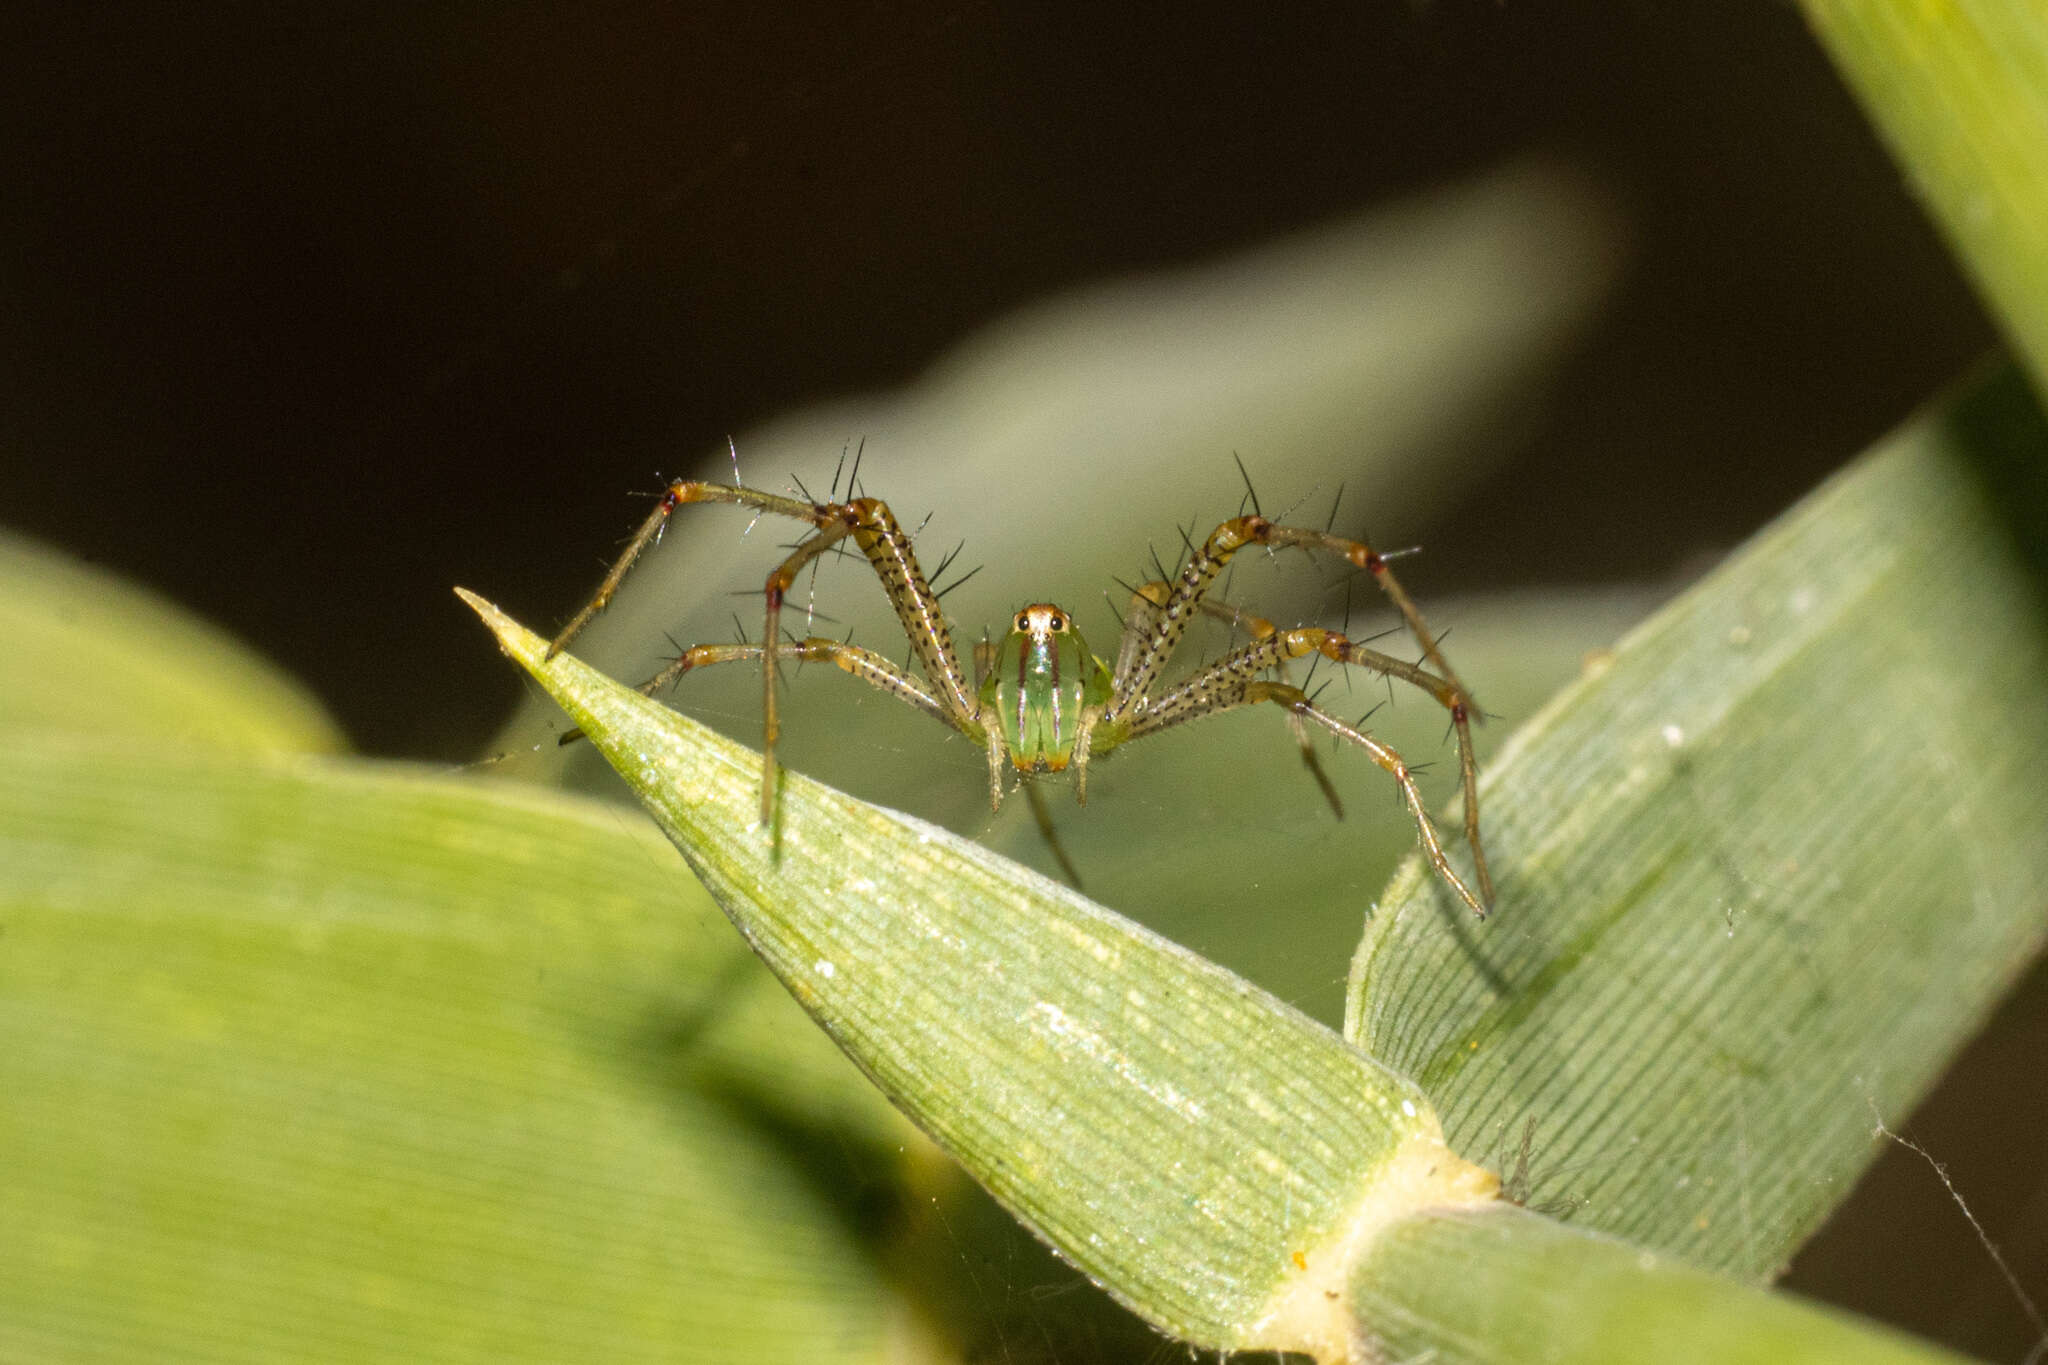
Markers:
515,639
1207,1153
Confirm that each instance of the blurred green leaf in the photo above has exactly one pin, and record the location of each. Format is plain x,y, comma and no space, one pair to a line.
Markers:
91,652
1960,91
1766,872
311,1060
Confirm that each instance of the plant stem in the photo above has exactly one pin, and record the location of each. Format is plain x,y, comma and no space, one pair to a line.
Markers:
1502,1284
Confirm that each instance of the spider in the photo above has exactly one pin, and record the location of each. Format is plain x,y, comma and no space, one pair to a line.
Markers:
1039,701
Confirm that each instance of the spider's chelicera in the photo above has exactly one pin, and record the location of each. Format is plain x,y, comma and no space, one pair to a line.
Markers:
1039,701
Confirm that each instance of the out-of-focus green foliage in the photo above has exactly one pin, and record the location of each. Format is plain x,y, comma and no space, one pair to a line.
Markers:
1960,91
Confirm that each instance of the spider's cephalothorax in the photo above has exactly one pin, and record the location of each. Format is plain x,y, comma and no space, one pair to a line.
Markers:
1039,701
1037,687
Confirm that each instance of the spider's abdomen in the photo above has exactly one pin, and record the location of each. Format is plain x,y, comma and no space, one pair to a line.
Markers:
1042,679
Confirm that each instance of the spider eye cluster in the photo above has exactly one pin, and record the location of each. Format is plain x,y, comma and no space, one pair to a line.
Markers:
1036,618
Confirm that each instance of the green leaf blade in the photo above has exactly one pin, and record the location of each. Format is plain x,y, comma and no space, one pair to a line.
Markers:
1960,92
1207,1153
92,653
309,1060
1762,875
1502,1286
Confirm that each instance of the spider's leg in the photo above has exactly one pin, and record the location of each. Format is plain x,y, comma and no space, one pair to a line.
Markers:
1433,849
672,497
1234,680
1259,628
1047,832
1446,687
1451,695
1151,634
771,648
649,532
864,664
875,530
993,738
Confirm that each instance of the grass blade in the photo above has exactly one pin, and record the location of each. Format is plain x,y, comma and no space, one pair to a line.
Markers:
1766,872
1960,91
317,1061
91,652
1210,1155
1503,1286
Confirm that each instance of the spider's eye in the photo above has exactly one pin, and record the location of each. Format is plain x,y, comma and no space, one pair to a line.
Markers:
1056,622
1021,623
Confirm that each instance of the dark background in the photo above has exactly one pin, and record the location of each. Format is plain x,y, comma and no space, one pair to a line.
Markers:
310,312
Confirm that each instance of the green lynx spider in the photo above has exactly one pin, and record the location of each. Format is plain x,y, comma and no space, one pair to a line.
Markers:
1039,700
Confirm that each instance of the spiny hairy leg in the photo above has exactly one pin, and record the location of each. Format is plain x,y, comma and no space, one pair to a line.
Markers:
1448,692
1228,681
1432,848
1152,634
1139,664
1443,683
864,664
1154,595
777,587
875,530
672,497
1232,682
